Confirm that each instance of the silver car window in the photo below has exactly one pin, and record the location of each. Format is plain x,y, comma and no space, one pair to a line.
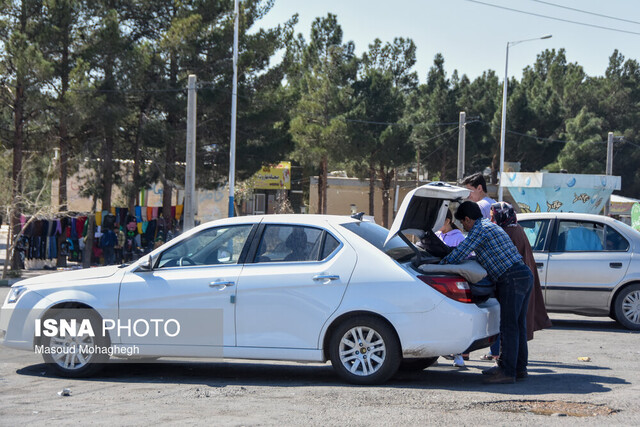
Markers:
289,243
575,236
536,231
219,245
614,241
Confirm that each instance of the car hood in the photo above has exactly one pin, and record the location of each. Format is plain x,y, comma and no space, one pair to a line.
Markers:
64,277
425,208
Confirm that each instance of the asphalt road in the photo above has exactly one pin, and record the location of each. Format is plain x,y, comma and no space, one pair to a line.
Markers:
604,390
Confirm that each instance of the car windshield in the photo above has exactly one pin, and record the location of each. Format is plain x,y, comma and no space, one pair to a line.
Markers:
396,248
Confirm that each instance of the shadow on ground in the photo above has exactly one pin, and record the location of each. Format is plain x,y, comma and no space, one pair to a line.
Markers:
601,324
543,379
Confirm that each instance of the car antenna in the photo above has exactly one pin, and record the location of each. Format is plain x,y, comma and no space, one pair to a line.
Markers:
358,216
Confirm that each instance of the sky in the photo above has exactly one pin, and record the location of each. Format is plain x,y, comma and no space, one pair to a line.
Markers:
472,36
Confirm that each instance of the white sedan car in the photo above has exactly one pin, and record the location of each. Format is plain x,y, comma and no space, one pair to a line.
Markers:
278,287
588,264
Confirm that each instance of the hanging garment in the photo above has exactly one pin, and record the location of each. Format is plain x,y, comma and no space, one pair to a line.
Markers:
81,226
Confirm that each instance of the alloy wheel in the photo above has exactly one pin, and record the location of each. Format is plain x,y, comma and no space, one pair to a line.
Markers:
631,307
362,351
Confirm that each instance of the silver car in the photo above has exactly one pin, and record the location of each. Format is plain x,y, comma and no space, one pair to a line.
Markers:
588,264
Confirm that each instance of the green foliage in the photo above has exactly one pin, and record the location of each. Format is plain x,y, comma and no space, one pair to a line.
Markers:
105,80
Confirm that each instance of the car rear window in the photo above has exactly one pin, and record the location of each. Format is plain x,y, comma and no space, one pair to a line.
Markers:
396,248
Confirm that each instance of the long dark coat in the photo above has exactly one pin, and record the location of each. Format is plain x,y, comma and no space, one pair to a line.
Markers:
537,317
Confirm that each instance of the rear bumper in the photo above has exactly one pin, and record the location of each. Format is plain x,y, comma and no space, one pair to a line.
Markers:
450,328
481,343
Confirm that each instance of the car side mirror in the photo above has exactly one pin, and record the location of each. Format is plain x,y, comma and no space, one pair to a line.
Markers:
147,263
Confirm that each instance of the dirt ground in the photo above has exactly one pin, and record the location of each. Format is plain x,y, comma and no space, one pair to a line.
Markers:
561,389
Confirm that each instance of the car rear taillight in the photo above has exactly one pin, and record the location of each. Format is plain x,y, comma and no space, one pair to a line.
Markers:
455,288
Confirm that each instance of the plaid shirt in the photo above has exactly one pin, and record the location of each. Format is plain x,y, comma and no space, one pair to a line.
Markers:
494,249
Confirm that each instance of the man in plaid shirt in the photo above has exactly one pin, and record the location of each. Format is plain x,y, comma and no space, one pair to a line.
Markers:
513,279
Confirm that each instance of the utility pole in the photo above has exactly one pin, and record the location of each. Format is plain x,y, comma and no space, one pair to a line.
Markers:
190,172
610,154
461,145
234,110
609,170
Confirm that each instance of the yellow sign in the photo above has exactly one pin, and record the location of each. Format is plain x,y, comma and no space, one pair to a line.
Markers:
275,177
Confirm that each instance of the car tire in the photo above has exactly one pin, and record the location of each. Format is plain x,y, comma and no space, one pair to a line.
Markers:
88,356
417,364
365,350
627,307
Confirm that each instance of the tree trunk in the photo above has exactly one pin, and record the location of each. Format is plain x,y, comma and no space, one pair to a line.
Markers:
135,185
443,167
109,138
170,152
61,260
107,168
495,168
386,178
320,194
325,174
372,188
16,173
88,244
64,137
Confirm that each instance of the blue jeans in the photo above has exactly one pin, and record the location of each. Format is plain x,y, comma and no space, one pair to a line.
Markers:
494,350
109,255
514,288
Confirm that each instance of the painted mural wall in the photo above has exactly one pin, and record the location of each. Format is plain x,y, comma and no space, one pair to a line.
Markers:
560,192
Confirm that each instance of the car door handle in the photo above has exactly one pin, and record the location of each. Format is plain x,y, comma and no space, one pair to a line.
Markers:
539,264
326,277
221,284
615,264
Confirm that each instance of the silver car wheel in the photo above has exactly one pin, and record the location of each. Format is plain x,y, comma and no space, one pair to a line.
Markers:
631,307
79,353
72,352
362,351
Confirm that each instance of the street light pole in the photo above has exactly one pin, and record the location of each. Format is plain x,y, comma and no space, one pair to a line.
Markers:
503,128
234,111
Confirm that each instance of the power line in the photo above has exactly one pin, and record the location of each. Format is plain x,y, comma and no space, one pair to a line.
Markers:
554,18
587,12
396,124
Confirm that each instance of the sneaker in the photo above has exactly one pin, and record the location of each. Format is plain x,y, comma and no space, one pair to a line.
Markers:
458,361
488,356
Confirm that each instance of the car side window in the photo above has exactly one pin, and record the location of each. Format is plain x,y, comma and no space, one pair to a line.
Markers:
578,236
614,241
219,245
536,232
288,243
330,245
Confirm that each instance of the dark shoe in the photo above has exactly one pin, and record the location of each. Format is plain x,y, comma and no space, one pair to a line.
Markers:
491,371
465,356
499,378
449,356
522,375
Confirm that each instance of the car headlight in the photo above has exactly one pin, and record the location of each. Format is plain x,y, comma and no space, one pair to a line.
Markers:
15,293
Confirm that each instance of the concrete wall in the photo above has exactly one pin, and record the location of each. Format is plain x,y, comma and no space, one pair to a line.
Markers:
342,192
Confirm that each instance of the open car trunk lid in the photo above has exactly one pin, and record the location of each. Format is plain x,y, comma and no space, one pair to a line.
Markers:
424,209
